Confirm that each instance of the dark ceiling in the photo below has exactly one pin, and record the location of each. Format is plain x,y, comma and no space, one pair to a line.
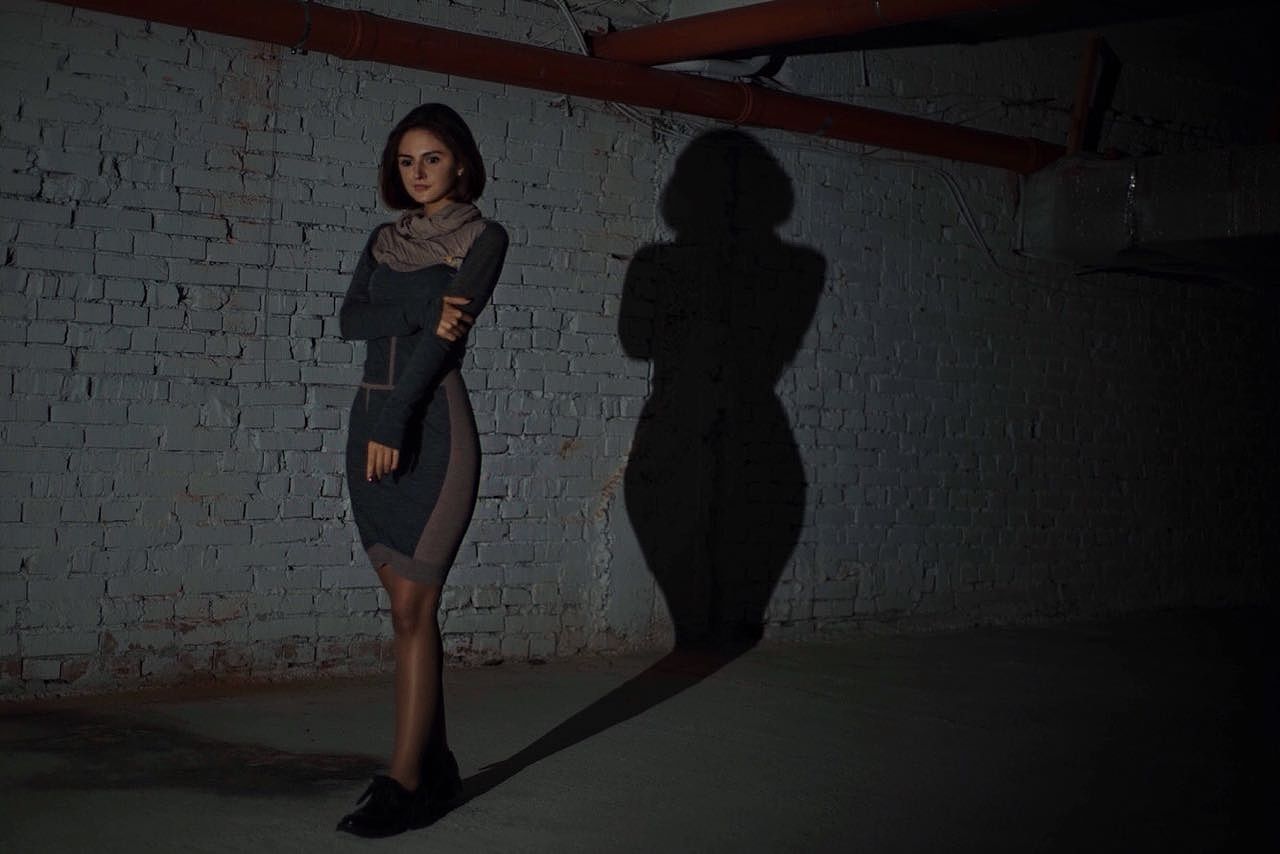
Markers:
1051,16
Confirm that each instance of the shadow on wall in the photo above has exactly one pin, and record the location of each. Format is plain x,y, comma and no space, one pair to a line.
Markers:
715,485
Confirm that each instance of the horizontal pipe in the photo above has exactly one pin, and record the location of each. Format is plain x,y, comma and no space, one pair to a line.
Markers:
354,34
778,22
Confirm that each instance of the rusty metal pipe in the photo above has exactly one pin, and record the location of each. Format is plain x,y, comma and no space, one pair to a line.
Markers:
777,22
354,34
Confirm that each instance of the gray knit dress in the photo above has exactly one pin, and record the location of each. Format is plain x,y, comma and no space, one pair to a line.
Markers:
413,398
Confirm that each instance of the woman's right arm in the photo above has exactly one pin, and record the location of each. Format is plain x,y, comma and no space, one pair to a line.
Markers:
360,319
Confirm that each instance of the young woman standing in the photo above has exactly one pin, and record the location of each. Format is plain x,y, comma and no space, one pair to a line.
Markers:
413,452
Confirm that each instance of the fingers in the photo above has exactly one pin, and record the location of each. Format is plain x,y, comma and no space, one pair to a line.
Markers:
457,300
452,316
454,323
380,461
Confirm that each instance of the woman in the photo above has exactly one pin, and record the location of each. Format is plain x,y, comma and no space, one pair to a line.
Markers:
412,451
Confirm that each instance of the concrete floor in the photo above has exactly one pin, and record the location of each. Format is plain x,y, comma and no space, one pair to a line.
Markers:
1151,733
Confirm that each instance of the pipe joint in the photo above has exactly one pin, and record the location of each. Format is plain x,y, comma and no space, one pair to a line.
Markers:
360,27
748,103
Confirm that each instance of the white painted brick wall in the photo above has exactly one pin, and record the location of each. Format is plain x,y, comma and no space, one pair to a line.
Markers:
180,214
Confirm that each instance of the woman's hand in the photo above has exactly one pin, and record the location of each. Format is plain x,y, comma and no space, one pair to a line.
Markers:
454,322
380,460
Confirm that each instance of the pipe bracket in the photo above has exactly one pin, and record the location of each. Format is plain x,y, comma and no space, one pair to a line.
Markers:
300,47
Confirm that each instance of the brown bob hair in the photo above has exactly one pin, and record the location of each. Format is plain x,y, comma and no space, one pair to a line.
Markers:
454,133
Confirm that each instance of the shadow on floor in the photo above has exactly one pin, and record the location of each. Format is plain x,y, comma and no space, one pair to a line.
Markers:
675,672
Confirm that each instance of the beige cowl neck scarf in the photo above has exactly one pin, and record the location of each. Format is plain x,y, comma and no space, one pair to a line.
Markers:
418,240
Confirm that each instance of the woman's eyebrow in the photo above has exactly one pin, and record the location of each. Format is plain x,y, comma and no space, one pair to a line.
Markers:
403,154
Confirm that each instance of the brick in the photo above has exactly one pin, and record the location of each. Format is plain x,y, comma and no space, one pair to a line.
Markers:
120,437
461,623
58,643
151,121
281,628
189,224
41,668
214,534
58,111
218,582
360,576
66,261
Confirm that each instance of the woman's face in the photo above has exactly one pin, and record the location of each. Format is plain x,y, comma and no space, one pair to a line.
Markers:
427,169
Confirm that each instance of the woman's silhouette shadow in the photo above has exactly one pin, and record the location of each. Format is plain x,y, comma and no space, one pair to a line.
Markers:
715,486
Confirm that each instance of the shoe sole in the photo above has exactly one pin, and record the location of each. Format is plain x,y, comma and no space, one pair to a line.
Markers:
436,809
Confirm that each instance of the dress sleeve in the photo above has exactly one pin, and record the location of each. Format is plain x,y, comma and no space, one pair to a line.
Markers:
360,319
475,280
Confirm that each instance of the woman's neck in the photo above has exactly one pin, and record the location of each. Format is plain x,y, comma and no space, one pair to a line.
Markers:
436,207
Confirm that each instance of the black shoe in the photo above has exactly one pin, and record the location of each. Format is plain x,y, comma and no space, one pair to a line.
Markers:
443,790
391,809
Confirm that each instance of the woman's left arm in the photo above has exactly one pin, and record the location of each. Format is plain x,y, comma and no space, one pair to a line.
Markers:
474,280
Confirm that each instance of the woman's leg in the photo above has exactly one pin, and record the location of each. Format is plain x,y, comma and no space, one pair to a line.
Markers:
419,680
437,740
